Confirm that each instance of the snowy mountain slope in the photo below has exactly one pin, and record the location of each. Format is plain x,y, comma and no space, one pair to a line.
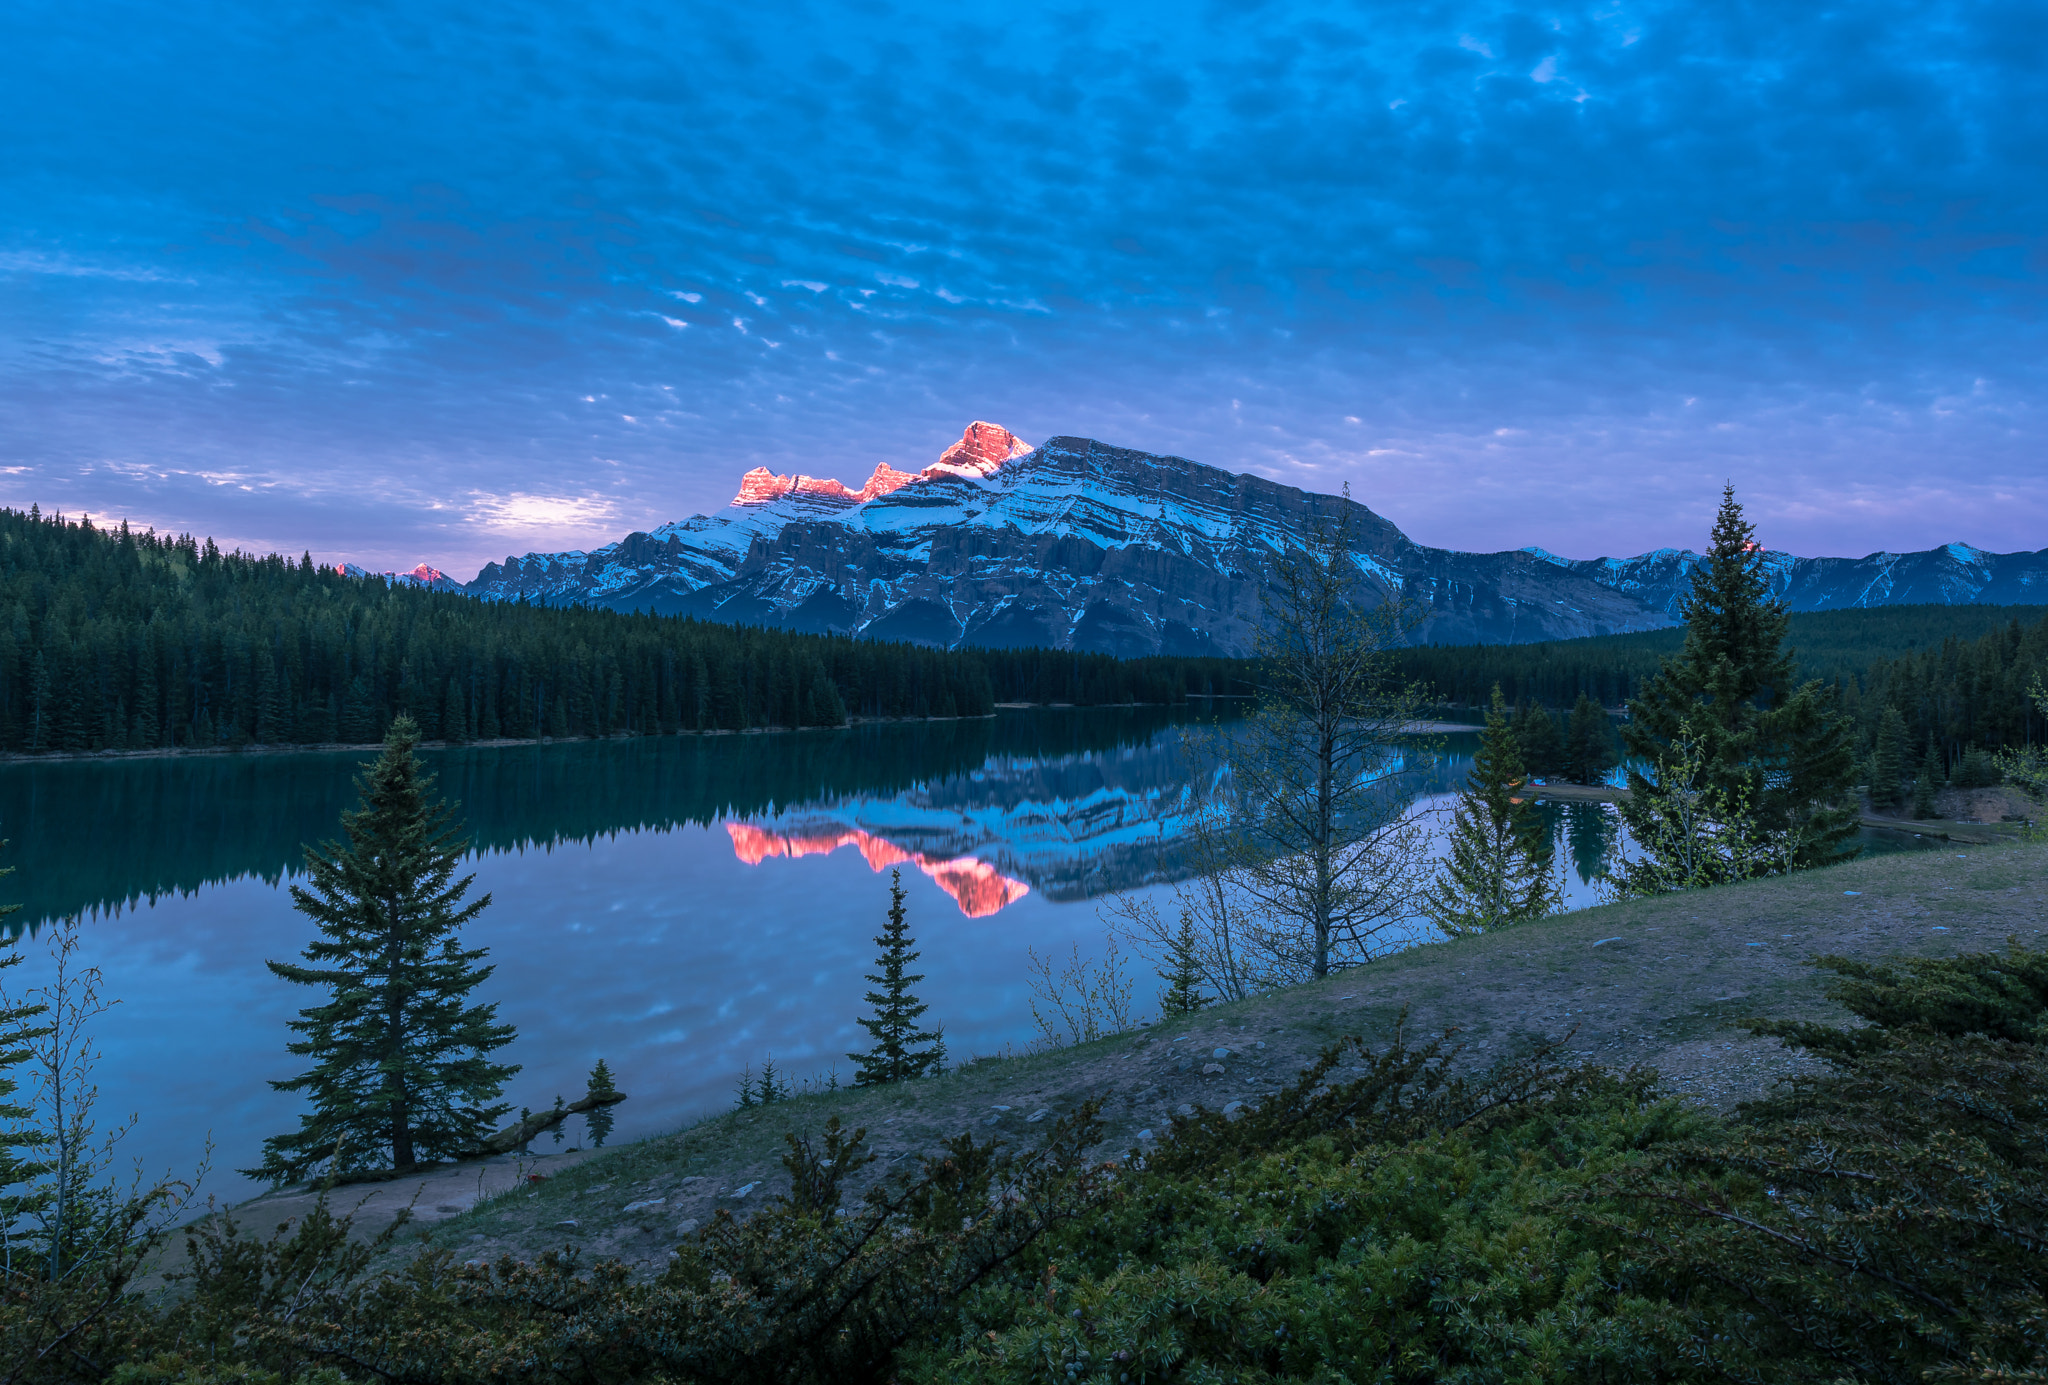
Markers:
1076,544
432,578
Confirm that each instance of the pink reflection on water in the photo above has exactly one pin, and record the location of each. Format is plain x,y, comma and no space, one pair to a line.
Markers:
976,886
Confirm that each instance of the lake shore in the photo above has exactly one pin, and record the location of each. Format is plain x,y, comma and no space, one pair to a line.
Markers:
497,743
1664,983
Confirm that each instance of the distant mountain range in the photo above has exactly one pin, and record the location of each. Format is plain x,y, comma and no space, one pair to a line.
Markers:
1076,544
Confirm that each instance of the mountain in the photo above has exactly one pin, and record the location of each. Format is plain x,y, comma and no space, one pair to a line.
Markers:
1076,544
431,578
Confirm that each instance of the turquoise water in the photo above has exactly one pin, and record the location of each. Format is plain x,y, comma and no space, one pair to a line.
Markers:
683,908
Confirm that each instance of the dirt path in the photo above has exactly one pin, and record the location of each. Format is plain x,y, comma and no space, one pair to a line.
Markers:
1657,982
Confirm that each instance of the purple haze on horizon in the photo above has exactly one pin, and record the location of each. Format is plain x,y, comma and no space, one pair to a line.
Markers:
413,283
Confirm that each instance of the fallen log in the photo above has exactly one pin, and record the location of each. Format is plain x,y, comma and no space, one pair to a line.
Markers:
517,1135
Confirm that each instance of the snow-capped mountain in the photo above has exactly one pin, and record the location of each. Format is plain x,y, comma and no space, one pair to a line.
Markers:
1076,544
431,578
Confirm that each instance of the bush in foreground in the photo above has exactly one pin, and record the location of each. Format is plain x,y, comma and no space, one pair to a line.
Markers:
1385,1218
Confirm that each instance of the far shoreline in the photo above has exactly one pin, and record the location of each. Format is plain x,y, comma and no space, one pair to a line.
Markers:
16,757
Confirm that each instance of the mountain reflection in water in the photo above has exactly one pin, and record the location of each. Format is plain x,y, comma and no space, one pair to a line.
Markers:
1073,826
976,886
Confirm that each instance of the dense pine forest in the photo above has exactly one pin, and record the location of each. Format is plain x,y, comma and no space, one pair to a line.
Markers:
1956,674
113,640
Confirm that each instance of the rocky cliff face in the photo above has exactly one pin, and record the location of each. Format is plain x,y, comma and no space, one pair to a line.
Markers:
1075,544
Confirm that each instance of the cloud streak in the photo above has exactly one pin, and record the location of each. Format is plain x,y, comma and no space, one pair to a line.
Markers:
1517,276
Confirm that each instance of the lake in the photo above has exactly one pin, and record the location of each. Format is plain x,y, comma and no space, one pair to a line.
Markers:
684,907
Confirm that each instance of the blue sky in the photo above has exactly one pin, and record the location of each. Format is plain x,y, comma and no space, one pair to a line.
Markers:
448,281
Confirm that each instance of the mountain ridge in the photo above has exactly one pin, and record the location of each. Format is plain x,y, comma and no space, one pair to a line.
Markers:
1078,544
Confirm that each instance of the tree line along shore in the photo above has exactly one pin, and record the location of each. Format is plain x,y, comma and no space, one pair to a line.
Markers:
116,641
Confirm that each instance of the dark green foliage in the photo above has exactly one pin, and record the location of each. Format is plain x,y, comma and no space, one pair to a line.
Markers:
1838,647
1999,996
19,1137
1183,978
1537,737
183,645
401,1073
1888,761
1588,743
810,1290
765,1090
1977,771
598,1121
1406,1224
1497,870
1750,735
896,1055
1887,1219
1926,783
1394,1214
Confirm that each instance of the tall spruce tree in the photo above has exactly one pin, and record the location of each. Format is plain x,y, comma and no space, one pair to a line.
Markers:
1753,735
401,1068
896,1055
1499,868
1888,762
1588,742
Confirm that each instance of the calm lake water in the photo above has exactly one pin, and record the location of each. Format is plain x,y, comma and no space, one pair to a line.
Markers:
683,908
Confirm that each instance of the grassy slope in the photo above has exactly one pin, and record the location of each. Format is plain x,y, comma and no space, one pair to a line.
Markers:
1653,982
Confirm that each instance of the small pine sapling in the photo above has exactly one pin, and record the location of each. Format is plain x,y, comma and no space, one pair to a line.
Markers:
598,1120
1498,869
896,1055
1183,993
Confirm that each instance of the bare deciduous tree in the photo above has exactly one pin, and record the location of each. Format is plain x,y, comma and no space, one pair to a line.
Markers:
1325,848
1310,859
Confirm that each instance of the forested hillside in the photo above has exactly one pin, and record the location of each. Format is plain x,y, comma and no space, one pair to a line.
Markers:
115,640
1958,674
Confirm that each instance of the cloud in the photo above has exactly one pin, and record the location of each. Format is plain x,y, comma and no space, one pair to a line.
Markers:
406,261
519,513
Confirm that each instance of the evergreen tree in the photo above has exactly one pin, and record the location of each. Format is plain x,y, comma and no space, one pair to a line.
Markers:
1183,993
1888,763
1694,835
1926,783
1976,772
1537,738
597,1121
19,1138
401,1070
1754,738
1499,868
1588,743
896,1056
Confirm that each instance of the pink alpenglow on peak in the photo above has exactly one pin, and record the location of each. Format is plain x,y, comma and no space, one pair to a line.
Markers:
424,575
981,451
